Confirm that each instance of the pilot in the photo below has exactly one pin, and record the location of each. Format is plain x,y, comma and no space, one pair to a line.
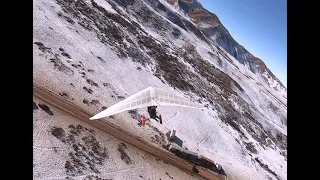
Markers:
153,113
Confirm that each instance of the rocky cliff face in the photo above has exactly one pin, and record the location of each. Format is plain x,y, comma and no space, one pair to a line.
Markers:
210,24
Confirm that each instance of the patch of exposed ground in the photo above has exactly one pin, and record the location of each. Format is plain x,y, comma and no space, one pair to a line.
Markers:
92,83
134,114
46,108
64,53
42,47
92,102
58,64
250,147
266,167
55,59
160,139
123,154
65,95
88,90
86,154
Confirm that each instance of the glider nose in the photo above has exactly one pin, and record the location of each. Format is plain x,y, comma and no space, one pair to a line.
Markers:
98,116
92,118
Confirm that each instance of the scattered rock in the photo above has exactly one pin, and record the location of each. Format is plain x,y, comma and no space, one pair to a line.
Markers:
92,83
68,19
106,84
103,108
101,59
63,53
42,47
155,139
94,102
85,151
121,97
88,90
176,33
64,94
66,55
123,155
133,113
60,134
169,175
250,147
195,170
86,102
55,149
115,93
58,64
46,109
266,167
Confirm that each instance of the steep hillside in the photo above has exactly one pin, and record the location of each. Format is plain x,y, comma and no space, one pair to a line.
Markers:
210,24
98,52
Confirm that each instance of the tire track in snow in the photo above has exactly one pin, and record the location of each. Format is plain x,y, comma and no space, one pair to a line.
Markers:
51,149
43,128
136,169
171,118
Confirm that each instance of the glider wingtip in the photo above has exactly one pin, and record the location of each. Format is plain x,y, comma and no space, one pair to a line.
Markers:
98,116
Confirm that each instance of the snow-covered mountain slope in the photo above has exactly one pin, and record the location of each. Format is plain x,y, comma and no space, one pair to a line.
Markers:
66,148
97,52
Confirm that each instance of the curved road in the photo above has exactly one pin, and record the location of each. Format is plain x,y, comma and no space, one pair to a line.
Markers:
110,128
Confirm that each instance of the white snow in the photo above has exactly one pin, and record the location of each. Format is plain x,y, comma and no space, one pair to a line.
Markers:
106,6
175,7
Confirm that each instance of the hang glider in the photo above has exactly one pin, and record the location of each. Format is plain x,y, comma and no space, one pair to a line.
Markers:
148,97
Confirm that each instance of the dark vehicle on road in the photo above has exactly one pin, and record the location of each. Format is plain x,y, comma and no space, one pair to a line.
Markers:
196,159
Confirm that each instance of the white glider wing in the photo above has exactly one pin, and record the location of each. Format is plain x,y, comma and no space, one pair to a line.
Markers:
149,97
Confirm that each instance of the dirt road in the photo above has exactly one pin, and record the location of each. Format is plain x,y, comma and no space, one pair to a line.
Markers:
110,128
